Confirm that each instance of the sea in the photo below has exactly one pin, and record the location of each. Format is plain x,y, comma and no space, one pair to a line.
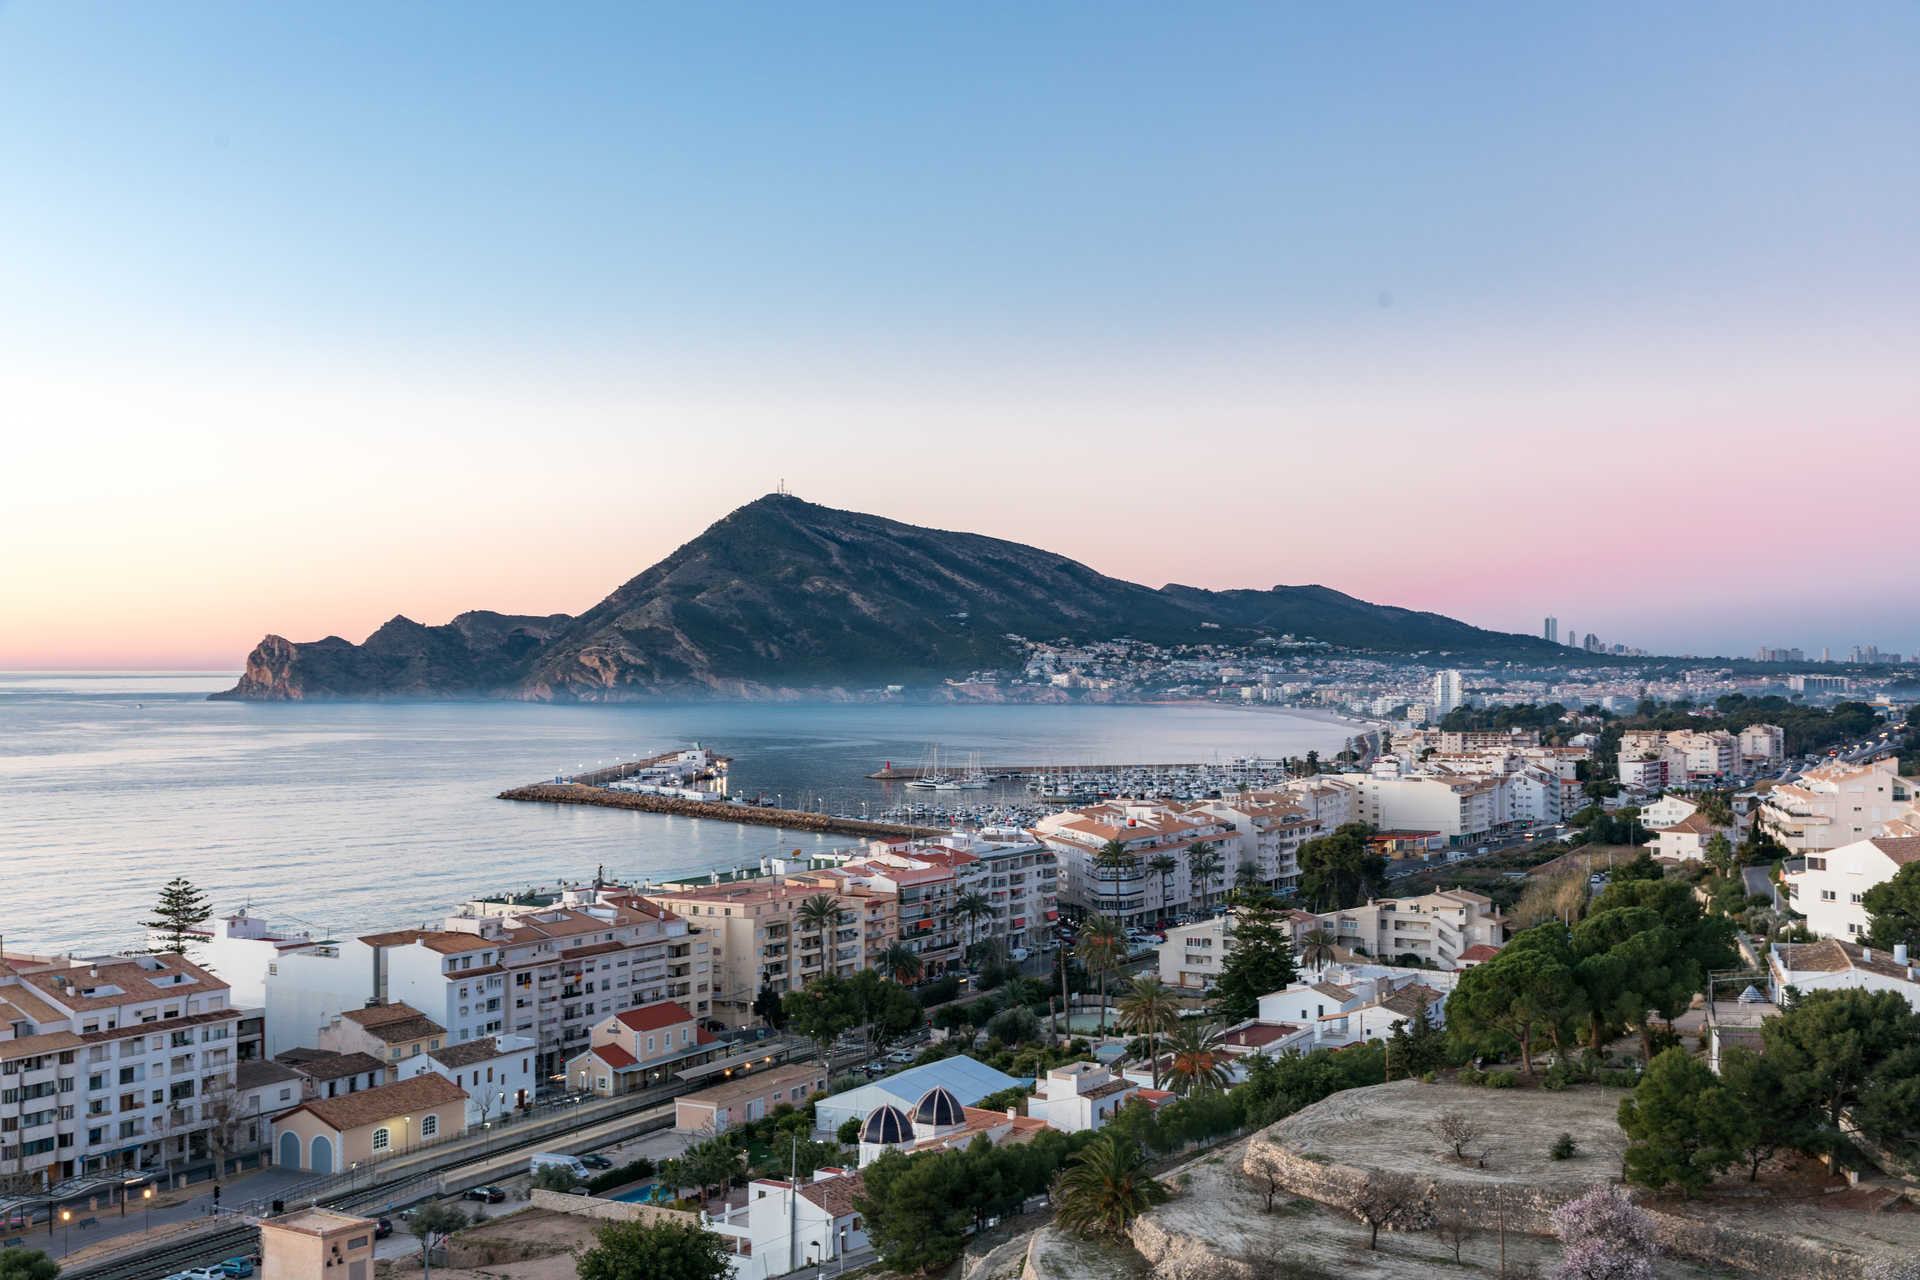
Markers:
340,817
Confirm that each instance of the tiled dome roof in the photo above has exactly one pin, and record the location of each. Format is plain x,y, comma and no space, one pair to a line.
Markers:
886,1125
939,1108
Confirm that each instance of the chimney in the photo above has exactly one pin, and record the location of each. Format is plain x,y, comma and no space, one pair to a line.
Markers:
1900,953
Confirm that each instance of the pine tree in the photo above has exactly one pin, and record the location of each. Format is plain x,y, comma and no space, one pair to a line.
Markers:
182,909
1259,960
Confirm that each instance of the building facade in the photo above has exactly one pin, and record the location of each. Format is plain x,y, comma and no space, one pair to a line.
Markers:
1830,889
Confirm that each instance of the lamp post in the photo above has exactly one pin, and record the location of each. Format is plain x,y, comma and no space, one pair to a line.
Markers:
66,1231
146,1194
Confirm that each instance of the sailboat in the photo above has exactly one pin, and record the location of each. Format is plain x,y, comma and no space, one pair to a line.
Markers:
974,779
931,779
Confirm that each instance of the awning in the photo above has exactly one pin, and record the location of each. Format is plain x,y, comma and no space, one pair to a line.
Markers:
708,1070
1053,915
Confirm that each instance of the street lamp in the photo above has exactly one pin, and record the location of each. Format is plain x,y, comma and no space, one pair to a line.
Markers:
66,1231
146,1194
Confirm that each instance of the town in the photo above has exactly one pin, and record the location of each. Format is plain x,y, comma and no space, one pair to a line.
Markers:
1696,899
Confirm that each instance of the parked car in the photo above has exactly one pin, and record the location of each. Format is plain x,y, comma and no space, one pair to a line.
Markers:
199,1273
596,1162
382,1228
554,1160
902,1056
236,1267
486,1195
1017,954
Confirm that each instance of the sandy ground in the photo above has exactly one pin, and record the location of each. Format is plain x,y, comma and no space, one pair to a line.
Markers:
533,1229
1056,1255
1216,1202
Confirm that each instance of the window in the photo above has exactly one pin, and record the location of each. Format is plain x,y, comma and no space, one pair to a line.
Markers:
382,1139
429,1125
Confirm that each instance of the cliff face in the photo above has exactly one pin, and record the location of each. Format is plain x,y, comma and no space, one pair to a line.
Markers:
786,599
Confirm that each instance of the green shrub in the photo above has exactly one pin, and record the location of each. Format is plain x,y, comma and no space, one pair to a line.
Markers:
1426,1077
1618,1079
1559,1076
620,1175
848,1132
1472,1075
1500,1079
1564,1147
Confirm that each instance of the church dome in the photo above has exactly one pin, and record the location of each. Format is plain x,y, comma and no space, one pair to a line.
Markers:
887,1126
939,1108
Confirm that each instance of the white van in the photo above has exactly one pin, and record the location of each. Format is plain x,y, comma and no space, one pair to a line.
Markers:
549,1160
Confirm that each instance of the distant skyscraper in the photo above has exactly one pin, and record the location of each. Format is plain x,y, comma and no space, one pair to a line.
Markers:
1553,630
1593,643
1825,654
1446,692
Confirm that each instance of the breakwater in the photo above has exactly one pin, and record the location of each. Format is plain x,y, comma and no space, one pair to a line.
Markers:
718,810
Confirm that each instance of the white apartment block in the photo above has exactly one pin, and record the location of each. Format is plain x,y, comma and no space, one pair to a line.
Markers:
1461,809
1654,757
545,970
1437,927
1148,830
1192,956
1837,804
1763,745
1831,890
1268,829
497,1073
1448,692
119,1064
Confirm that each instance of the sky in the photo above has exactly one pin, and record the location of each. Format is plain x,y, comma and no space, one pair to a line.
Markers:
315,314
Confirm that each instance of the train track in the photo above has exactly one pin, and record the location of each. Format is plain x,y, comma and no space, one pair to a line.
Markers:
202,1250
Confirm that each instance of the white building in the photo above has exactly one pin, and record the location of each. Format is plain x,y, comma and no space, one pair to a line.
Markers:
1192,955
1080,1095
1136,894
1447,692
497,1073
1356,1003
1833,965
115,1064
1763,745
1688,838
1830,891
1437,927
1461,809
1836,804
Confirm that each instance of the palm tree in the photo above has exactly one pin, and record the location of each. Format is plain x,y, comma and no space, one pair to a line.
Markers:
1163,865
1100,948
1203,864
900,963
1105,1187
1247,875
816,915
970,907
1148,1009
1316,947
1196,1062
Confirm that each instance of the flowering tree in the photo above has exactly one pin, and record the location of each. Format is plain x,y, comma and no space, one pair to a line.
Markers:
1607,1237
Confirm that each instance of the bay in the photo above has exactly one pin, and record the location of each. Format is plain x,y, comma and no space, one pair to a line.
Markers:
351,817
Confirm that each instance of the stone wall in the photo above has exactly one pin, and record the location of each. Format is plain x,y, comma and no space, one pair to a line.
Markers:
608,1210
752,815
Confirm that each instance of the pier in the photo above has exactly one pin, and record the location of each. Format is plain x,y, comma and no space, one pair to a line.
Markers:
908,773
719,810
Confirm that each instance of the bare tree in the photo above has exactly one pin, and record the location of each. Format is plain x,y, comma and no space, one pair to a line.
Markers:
1458,1130
1392,1202
1455,1226
224,1110
1268,1180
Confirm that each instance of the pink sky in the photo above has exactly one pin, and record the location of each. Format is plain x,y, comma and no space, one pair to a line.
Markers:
168,516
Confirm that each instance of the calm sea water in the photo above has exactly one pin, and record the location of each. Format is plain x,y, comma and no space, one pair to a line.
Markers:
363,816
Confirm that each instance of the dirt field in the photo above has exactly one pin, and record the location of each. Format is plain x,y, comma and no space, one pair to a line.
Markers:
1220,1205
554,1236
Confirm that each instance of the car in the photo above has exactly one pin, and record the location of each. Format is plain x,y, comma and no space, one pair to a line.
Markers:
596,1162
382,1228
199,1273
902,1056
1017,954
236,1268
486,1195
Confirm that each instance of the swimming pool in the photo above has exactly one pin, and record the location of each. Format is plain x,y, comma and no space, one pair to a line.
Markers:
651,1193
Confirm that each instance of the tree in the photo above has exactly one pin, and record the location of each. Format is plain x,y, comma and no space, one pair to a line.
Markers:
767,1008
1100,949
27,1264
1163,864
663,1249
1316,947
917,1210
1769,1120
1105,1187
1604,1236
822,1011
1247,875
1338,870
1258,961
1148,1009
1525,990
1455,1225
1203,864
971,907
1837,1050
1196,1061
1417,1045
879,1005
433,1220
1682,1127
1893,910
1458,1130
1719,854
900,963
553,1177
711,1163
1391,1202
177,917
816,914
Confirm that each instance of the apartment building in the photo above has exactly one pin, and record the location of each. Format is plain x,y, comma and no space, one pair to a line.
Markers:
1463,809
1192,956
496,1073
1016,873
1655,757
1267,830
1763,745
758,941
388,1032
547,969
1436,927
116,1064
1837,804
1134,894
1831,889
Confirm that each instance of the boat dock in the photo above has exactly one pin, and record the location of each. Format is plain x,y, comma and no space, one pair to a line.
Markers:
910,773
754,815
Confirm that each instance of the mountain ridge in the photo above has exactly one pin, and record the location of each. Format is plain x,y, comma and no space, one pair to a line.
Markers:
783,598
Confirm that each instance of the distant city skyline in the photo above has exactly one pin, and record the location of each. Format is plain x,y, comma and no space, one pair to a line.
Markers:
316,316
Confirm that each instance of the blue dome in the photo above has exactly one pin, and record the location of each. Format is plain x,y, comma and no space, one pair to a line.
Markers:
886,1125
939,1108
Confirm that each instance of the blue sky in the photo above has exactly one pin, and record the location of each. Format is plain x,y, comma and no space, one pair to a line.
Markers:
1303,260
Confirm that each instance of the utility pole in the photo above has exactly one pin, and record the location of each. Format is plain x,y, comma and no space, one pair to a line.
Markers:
1500,1211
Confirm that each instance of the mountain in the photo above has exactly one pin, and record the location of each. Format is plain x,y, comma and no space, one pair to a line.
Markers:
784,598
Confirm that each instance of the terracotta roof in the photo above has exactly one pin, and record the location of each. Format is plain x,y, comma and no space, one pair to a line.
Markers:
835,1195
320,1064
614,1056
385,1102
1258,1034
1903,849
439,940
652,1017
1694,824
394,1023
1480,951
485,1049
1830,955
64,985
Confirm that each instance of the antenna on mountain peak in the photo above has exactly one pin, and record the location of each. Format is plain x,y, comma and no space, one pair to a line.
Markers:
782,489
